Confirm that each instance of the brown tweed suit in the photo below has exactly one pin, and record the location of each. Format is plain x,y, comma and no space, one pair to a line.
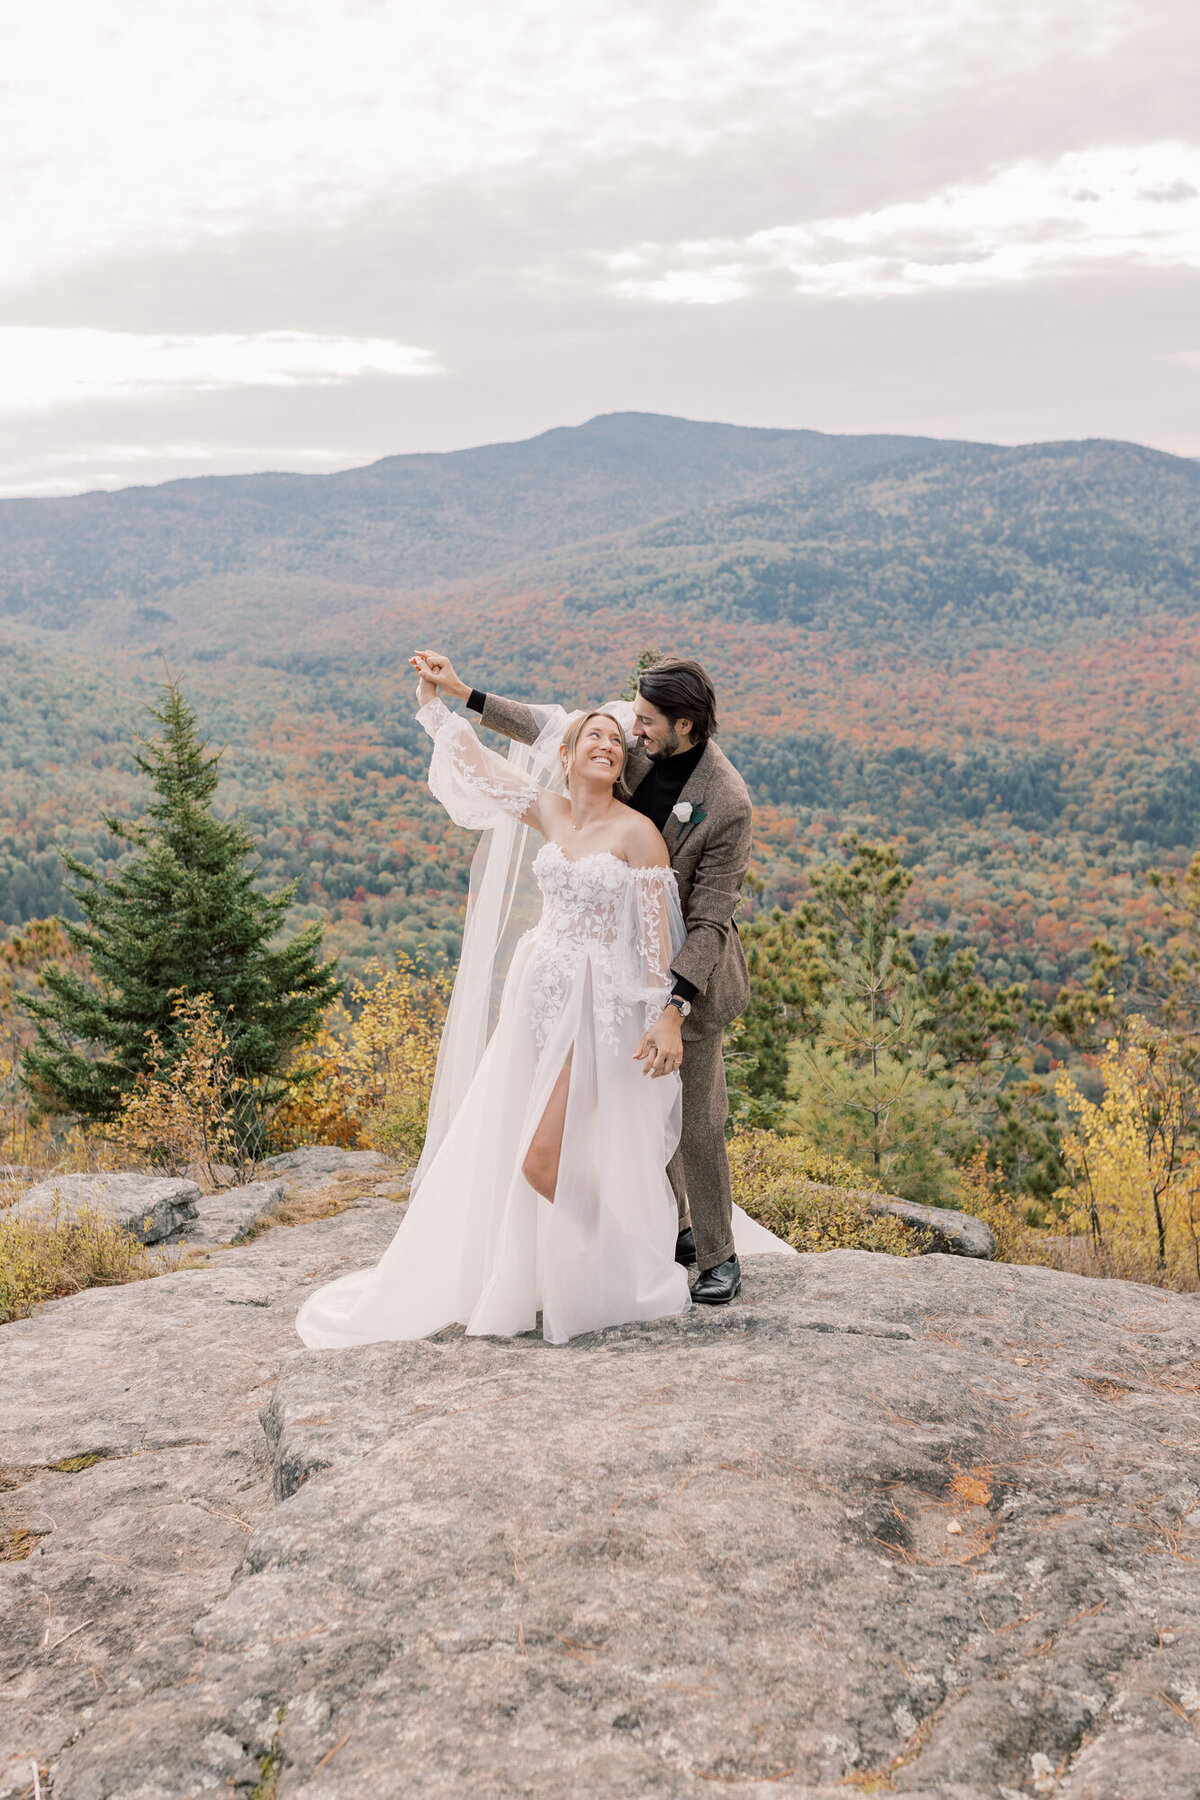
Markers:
709,853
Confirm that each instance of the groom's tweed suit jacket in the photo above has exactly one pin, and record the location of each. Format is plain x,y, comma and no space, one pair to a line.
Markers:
709,855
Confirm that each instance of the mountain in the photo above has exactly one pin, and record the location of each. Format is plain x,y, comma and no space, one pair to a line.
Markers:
987,653
1014,545
407,520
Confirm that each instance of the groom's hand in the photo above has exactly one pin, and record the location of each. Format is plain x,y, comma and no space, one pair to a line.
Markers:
661,1048
439,669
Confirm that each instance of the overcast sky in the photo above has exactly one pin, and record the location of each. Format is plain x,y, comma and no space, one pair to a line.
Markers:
306,233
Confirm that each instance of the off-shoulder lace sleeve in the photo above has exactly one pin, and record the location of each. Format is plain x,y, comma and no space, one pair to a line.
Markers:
653,930
477,788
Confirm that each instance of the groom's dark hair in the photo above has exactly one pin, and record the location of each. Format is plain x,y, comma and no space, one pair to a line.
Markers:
681,689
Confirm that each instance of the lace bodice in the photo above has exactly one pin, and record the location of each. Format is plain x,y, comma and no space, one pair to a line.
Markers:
623,921
583,893
617,918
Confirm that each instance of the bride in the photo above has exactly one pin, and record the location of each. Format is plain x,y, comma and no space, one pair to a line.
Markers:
546,1189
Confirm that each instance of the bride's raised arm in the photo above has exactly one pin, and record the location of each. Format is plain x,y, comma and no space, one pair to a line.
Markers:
477,788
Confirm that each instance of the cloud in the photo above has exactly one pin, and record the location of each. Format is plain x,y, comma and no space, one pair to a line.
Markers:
1139,207
152,123
776,211
43,367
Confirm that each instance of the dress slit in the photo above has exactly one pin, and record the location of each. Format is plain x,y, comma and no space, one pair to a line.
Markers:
561,1081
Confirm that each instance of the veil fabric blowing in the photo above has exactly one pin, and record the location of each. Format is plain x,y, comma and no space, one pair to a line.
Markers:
503,902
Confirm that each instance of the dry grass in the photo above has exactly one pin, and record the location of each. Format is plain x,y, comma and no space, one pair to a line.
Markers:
1123,1258
304,1206
809,1197
16,1542
45,1260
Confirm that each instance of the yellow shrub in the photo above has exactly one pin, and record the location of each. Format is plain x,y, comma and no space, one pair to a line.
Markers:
40,1261
1133,1161
778,1181
982,1193
392,1054
368,1078
316,1107
189,1112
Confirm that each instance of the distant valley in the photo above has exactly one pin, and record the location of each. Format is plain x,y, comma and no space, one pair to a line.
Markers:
988,653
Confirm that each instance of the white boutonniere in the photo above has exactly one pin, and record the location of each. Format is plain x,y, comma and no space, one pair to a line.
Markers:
682,810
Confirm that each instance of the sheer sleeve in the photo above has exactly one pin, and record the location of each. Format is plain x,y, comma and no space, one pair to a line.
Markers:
653,932
477,788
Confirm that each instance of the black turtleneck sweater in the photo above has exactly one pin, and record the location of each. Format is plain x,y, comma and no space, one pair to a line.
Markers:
662,784
654,796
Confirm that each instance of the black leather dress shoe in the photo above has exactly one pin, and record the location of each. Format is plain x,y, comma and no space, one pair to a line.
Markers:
685,1247
717,1287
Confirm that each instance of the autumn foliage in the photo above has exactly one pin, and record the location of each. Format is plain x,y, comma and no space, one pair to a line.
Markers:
368,1078
1134,1160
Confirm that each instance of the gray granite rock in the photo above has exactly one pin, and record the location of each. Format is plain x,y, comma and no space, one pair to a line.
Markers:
921,1523
952,1233
941,1230
151,1207
131,1452
322,1159
225,1217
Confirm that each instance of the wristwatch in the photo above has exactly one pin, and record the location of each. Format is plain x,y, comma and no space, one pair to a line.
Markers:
685,1006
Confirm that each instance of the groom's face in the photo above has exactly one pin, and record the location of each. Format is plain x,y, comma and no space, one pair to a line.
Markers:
659,736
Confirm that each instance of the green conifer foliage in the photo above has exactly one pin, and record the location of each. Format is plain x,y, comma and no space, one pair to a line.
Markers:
872,1085
182,915
902,1067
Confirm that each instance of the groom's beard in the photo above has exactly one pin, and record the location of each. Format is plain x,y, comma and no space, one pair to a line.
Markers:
670,748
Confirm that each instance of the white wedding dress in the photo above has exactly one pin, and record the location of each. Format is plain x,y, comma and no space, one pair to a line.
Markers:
479,1246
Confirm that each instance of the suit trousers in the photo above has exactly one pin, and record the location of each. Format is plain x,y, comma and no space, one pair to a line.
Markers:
699,1170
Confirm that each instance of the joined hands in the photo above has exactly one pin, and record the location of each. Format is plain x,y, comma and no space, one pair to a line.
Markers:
438,672
661,1048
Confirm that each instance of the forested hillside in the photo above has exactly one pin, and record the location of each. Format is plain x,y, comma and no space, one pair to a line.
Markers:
942,549
988,654
407,520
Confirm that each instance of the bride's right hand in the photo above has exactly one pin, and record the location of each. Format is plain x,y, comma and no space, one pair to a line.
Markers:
441,672
426,689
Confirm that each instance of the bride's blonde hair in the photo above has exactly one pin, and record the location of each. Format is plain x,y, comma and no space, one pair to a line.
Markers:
570,739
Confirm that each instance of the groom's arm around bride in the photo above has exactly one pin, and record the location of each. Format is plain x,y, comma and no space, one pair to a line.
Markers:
684,783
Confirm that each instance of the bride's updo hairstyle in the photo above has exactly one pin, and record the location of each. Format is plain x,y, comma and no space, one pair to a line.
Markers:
570,739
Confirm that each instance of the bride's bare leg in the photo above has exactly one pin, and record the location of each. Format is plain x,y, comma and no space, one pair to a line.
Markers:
540,1167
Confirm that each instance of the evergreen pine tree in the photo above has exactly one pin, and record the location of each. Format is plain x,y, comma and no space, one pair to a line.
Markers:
182,916
871,1082
788,977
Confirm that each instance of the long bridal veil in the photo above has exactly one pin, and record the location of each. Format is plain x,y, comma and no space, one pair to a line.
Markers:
502,904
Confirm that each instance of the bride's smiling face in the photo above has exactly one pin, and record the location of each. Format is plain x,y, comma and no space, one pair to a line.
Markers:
599,751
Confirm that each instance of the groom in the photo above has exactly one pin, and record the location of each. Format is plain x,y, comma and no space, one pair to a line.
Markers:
692,792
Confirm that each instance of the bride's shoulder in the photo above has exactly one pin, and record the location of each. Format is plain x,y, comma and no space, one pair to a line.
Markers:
643,843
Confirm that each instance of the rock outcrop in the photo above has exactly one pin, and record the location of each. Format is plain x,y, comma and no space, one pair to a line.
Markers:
313,1160
233,1213
937,1229
150,1207
922,1526
948,1232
